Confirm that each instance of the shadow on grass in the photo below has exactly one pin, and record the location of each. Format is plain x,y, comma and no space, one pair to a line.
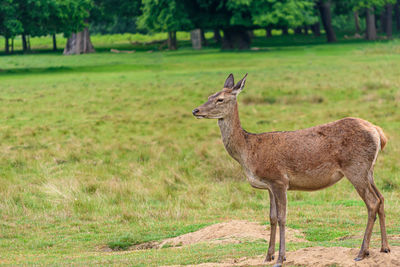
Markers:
78,69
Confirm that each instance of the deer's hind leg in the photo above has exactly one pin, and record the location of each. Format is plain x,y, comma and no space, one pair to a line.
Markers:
361,182
381,212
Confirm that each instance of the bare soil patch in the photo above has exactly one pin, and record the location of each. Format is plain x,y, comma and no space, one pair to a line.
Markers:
320,257
236,231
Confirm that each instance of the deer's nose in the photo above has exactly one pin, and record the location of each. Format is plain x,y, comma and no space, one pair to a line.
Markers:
195,111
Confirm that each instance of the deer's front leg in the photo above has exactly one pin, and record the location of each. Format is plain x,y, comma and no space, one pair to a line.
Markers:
273,219
280,198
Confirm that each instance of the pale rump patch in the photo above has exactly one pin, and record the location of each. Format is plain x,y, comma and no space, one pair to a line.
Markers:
319,257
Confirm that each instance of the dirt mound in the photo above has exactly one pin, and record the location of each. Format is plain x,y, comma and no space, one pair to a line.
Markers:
321,257
226,232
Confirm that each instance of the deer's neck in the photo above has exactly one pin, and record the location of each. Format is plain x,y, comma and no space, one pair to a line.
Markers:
233,136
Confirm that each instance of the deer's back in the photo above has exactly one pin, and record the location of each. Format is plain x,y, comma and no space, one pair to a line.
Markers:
312,158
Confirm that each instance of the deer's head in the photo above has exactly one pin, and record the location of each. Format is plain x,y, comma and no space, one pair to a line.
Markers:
222,103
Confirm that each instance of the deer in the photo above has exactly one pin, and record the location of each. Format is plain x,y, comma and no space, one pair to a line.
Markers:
308,159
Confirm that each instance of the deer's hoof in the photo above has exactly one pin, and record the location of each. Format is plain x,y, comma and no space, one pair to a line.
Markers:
269,258
385,250
362,255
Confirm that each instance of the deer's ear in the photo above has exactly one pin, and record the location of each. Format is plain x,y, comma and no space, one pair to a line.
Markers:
229,81
239,86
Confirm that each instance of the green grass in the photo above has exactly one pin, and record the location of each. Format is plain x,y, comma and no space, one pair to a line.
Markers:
102,149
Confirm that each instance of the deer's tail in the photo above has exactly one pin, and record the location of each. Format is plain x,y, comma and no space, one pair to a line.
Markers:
382,136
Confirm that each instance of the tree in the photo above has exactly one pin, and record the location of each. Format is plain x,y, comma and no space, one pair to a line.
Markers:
388,19
30,15
268,31
236,17
55,20
271,14
71,17
324,7
165,16
397,14
217,36
369,7
40,18
289,13
77,12
357,21
9,25
316,29
83,12
370,33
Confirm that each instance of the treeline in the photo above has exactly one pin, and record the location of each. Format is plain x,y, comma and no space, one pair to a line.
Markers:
234,18
71,17
237,18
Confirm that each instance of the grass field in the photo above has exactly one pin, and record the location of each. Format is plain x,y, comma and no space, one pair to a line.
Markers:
102,150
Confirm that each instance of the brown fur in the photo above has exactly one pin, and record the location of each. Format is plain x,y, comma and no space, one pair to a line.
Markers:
308,159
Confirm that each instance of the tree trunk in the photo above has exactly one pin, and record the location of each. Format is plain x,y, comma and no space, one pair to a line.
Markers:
297,30
28,41
397,14
236,38
195,37
357,22
6,46
285,30
382,20
217,36
370,22
203,38
389,21
172,43
54,42
268,32
305,29
24,45
325,11
79,43
316,29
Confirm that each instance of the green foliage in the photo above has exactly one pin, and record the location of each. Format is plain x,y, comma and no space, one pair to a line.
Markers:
71,15
252,13
9,25
359,4
183,15
164,15
44,17
117,25
290,13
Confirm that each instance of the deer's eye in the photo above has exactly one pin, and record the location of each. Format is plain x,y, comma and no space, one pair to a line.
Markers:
219,100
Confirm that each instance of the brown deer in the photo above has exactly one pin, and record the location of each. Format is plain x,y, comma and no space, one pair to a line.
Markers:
308,160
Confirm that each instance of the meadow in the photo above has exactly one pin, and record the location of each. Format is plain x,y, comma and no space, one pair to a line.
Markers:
101,150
